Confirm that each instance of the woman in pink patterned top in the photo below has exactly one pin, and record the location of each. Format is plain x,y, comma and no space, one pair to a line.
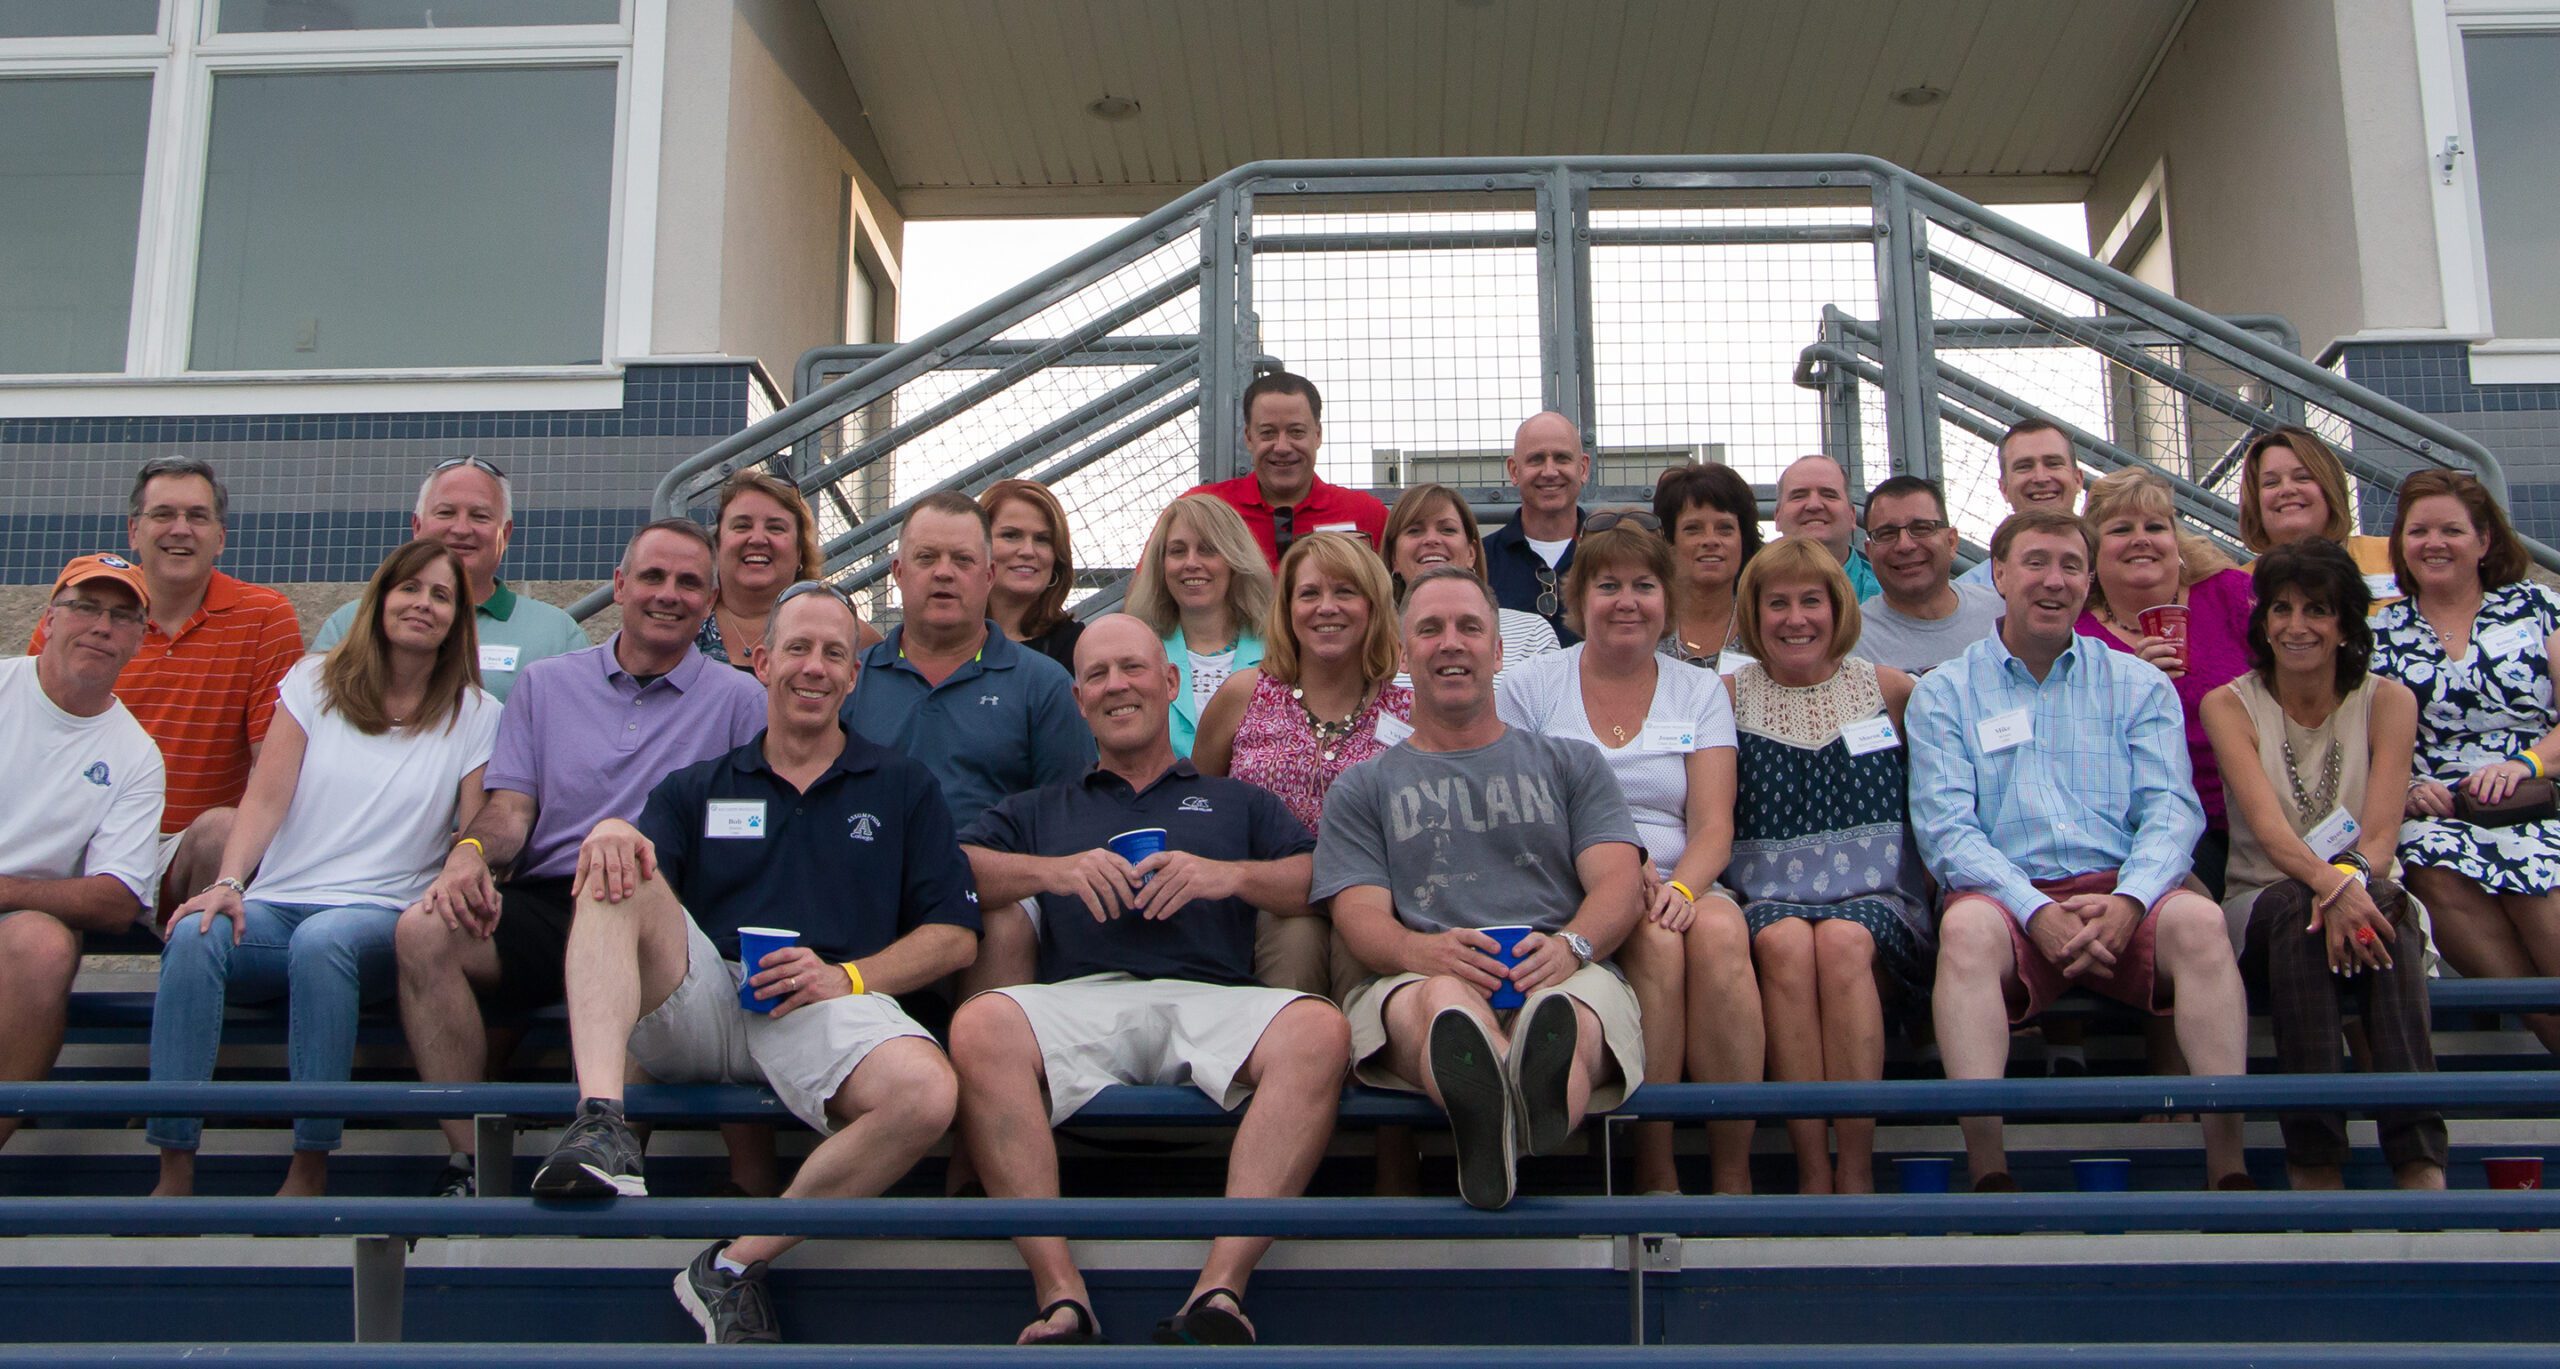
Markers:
1323,700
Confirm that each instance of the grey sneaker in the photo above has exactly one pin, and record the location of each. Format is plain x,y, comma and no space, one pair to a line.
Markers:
1542,1045
597,1157
732,1309
1468,1070
457,1182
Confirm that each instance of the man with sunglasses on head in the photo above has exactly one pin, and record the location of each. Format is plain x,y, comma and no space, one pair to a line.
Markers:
203,680
81,825
1921,618
1281,499
469,505
1525,559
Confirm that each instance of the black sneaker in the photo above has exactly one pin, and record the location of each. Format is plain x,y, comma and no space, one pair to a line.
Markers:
1542,1045
597,1157
732,1309
457,1182
1468,1070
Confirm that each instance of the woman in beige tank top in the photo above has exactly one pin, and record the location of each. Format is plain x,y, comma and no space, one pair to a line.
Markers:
2314,751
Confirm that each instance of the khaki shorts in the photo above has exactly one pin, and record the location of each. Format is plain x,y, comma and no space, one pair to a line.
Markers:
701,1036
1595,986
1105,1029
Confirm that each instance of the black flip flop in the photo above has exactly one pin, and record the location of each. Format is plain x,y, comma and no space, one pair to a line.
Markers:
1087,1330
1200,1324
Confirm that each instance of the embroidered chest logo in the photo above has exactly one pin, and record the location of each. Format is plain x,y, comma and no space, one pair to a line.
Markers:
862,827
989,700
1194,804
96,774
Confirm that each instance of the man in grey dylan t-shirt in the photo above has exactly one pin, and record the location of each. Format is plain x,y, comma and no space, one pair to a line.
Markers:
1466,826
1921,619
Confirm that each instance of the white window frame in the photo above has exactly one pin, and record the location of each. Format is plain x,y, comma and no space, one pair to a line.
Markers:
183,59
2444,103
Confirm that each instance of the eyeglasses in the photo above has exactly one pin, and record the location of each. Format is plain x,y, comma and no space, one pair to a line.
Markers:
1548,604
87,611
1602,522
1918,528
1284,528
482,462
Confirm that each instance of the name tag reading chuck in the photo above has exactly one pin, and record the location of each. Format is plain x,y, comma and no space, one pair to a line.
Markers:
2335,833
734,819
496,656
2013,728
1873,734
1392,730
1672,739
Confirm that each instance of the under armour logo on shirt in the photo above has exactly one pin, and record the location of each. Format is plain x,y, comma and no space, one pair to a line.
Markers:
990,700
862,827
96,773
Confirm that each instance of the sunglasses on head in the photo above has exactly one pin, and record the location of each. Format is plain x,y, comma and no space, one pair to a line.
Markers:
1602,522
481,462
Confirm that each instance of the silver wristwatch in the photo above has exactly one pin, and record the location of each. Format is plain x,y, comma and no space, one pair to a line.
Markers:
1577,943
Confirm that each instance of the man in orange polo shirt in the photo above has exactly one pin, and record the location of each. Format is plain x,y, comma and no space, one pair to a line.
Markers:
203,683
1282,500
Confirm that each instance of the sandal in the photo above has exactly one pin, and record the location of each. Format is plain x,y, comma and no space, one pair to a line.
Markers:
1087,1331
1201,1324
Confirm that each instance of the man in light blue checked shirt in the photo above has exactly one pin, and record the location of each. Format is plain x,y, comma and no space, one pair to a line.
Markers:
2051,798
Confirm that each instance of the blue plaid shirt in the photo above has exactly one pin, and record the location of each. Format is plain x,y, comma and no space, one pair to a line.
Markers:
2102,784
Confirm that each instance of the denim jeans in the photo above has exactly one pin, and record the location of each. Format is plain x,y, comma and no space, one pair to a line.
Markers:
329,961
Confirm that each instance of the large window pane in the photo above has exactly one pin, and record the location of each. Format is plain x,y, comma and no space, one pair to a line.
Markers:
297,16
70,208
2515,119
77,18
405,218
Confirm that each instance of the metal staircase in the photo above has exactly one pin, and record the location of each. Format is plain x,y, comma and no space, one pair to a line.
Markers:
1741,309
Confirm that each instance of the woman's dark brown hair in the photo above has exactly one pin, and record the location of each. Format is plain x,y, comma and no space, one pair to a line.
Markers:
357,673
1050,606
2326,576
2502,563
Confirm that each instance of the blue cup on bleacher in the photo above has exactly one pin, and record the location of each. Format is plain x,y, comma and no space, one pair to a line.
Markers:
2103,1175
1925,1173
1508,995
754,944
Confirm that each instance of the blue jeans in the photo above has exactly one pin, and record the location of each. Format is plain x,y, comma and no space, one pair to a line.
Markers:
329,961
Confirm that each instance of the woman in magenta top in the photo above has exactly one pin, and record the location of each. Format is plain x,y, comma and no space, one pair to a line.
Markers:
2145,561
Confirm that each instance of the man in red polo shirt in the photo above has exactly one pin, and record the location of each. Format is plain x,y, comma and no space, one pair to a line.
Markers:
203,683
1283,500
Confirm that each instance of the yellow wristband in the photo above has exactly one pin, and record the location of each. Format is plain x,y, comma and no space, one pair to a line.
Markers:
2532,761
855,976
2348,870
474,844
1683,888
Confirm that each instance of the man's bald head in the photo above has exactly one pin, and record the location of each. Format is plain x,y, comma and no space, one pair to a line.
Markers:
1119,632
1547,465
1125,688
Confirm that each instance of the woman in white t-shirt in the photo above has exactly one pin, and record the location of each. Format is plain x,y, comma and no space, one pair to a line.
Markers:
372,763
1667,733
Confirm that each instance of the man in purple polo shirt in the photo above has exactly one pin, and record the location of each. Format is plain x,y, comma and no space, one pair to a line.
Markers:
586,736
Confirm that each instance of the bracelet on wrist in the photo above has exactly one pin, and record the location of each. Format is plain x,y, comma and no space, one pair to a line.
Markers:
227,882
1682,888
2530,761
854,976
475,844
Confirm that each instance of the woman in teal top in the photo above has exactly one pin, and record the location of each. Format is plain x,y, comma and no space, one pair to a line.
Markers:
1202,585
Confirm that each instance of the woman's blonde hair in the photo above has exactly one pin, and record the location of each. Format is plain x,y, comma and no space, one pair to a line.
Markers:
2135,490
1214,521
2327,472
357,672
1797,558
1049,607
804,541
1346,558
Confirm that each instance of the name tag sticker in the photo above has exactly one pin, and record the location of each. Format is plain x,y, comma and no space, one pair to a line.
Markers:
1730,662
2013,728
1874,734
2509,640
734,819
496,656
1337,527
1677,739
2382,585
1392,730
2335,833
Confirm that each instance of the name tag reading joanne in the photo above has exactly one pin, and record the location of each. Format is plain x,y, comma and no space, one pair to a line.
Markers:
2013,728
1392,730
497,656
734,819
1873,734
1676,739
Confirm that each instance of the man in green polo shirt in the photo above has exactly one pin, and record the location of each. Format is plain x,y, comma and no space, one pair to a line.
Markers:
469,505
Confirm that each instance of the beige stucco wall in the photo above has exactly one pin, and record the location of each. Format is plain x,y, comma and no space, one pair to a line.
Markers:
2294,163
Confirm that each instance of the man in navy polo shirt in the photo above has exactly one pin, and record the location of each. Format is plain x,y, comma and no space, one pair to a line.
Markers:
1525,559
805,829
1146,977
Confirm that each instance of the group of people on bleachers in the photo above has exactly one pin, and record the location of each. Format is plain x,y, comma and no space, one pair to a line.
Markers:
1517,822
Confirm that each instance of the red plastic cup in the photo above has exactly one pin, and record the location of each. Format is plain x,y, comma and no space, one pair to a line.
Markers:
2514,1171
2168,622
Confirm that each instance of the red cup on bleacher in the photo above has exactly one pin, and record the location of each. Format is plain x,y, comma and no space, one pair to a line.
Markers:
2168,622
2513,1171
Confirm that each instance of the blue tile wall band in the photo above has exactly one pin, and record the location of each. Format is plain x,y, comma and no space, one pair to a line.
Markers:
2521,423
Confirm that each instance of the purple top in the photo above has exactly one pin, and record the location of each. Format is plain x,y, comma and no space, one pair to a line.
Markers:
585,741
2217,653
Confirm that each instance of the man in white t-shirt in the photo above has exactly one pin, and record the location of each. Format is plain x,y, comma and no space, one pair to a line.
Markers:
80,834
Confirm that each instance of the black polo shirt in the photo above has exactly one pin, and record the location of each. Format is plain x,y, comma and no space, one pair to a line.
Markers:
861,859
1511,566
1222,819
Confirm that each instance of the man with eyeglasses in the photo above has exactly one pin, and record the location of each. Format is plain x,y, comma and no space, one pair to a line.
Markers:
203,681
1813,502
1920,619
1525,559
469,505
1282,499
80,830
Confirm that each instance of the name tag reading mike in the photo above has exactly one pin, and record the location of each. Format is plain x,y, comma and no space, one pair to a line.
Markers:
2011,729
1870,735
734,819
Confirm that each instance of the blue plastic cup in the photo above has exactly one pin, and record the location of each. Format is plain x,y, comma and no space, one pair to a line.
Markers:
1138,844
1508,995
2103,1175
1925,1173
754,944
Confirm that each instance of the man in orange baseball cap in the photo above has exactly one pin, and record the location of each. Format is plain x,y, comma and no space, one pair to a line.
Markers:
105,565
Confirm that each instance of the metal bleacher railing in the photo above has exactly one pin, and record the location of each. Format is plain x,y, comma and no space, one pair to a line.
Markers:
1738,309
